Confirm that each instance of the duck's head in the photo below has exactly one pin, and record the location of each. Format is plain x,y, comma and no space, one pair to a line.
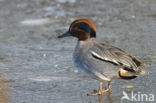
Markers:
83,29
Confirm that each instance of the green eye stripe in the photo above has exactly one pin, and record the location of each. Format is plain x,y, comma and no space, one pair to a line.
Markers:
85,27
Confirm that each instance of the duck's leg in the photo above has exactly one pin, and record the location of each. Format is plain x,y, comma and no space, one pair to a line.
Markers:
99,92
108,87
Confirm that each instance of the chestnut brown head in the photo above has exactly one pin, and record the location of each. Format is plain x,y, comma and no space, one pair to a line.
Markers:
83,29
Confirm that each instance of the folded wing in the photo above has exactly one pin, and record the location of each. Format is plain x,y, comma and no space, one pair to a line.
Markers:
118,57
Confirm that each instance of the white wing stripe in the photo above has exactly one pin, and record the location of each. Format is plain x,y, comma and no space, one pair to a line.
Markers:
104,58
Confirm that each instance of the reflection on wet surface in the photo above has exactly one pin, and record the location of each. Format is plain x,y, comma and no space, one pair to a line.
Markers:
109,98
40,65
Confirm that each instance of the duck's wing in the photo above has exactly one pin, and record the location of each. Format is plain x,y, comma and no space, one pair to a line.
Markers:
116,56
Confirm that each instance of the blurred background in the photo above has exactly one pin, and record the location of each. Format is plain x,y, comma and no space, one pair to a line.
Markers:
36,67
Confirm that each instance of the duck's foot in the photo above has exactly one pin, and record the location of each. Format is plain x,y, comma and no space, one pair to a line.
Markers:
95,93
101,90
98,93
105,90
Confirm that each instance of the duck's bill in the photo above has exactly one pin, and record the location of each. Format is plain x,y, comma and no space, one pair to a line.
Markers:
64,35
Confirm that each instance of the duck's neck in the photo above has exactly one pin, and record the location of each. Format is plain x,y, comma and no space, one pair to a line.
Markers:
89,42
83,37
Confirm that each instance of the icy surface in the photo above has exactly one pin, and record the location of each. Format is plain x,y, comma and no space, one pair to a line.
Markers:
39,67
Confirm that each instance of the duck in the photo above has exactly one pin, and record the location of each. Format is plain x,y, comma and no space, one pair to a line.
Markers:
101,61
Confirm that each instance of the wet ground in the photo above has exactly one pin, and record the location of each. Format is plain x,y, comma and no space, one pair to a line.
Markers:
38,67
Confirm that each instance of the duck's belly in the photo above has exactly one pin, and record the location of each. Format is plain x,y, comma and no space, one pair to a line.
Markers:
83,68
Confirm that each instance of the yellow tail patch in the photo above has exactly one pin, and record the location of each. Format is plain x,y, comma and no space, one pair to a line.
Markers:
125,73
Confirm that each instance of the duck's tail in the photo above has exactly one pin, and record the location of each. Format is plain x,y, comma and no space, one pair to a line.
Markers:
143,72
130,75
